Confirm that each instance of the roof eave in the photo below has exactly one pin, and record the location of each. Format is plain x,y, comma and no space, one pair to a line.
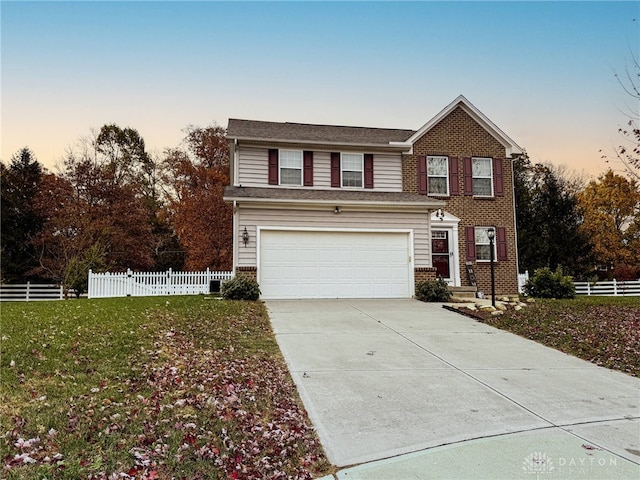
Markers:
276,202
394,146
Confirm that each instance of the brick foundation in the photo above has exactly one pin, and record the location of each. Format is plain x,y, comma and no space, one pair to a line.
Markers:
422,274
251,272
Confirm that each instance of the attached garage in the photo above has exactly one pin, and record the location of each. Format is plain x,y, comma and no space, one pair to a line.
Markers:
334,264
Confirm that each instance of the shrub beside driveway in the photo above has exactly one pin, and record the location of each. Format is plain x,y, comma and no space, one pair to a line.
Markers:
602,330
161,387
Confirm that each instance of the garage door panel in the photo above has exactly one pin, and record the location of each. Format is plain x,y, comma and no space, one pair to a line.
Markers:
301,264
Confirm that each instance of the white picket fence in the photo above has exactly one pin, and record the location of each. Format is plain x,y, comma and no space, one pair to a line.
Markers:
30,292
147,284
522,279
613,288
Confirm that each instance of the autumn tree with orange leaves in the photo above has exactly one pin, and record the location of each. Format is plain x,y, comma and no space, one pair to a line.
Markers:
195,175
611,212
96,212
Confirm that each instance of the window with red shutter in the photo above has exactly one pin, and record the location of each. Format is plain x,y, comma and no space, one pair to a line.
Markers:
308,168
501,243
470,242
335,169
467,172
273,166
423,186
498,182
368,170
454,188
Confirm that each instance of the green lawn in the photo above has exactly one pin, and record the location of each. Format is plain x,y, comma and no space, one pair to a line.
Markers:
602,330
157,387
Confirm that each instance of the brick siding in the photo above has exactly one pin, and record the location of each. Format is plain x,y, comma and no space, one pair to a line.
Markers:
458,135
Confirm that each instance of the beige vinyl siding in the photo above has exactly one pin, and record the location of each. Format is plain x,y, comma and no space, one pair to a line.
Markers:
322,219
253,169
387,172
322,169
253,164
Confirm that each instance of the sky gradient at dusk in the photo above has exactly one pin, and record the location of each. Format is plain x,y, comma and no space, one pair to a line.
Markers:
543,72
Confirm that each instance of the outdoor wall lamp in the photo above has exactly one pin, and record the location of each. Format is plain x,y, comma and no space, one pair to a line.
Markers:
336,210
491,233
245,237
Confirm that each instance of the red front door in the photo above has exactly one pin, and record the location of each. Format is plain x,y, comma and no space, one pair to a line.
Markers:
440,253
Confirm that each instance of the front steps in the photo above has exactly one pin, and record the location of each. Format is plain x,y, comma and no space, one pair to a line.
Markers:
465,293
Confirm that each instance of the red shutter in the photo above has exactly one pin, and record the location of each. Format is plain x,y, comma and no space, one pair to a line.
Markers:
308,168
335,169
423,180
468,175
470,240
454,189
368,170
501,243
273,166
498,182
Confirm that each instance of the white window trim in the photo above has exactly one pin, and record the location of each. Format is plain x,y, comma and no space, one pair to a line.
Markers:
495,246
342,169
447,194
280,167
490,177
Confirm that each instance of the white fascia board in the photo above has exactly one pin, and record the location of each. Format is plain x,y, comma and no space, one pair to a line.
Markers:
393,146
511,147
352,204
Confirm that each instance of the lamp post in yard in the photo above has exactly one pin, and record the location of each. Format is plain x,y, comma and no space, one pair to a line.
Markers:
491,233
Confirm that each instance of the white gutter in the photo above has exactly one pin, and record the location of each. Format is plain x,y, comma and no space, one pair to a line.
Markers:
432,204
373,146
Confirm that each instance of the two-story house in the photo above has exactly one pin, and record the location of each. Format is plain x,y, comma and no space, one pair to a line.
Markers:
323,211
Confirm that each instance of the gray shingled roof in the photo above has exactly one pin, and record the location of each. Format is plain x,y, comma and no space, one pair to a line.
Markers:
338,195
302,132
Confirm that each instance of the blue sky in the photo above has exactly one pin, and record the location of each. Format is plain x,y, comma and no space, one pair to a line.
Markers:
542,71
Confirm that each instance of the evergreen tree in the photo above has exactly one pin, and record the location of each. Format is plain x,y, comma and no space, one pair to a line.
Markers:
548,220
20,182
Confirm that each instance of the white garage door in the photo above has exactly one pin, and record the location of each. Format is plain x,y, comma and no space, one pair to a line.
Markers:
295,264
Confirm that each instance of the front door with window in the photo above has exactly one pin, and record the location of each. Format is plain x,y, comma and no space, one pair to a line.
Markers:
441,254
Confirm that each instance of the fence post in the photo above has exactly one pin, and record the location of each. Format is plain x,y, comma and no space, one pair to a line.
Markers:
615,288
27,293
129,282
169,281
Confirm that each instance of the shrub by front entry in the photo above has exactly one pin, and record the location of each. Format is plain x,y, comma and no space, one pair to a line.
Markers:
548,284
433,291
241,287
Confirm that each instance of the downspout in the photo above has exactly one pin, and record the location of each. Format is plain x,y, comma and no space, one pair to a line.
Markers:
234,164
515,216
235,236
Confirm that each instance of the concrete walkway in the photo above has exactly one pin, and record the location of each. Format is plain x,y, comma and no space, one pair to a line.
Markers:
404,389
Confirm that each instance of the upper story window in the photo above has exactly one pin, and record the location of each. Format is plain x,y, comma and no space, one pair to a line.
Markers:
438,175
483,248
352,169
482,171
290,163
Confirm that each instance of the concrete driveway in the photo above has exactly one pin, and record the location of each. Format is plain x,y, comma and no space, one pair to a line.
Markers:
429,390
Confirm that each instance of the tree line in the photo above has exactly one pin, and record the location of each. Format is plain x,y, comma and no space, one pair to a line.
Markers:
113,206
589,229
